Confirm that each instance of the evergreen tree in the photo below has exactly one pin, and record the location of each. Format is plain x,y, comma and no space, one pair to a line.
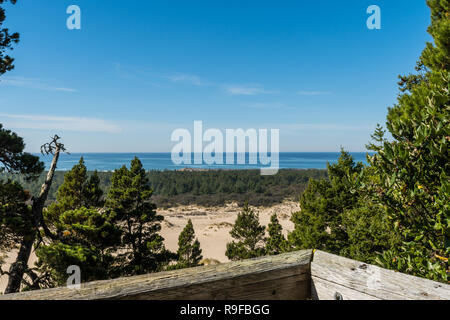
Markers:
189,253
414,168
368,230
77,191
87,235
13,159
319,223
7,40
338,217
250,236
17,222
93,194
15,216
87,239
129,200
276,242
71,193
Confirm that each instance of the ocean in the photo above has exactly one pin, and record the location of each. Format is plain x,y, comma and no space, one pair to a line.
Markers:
163,161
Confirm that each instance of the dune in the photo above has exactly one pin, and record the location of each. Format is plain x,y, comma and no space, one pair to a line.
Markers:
213,228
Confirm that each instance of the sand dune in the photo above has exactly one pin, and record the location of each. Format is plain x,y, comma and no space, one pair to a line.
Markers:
212,226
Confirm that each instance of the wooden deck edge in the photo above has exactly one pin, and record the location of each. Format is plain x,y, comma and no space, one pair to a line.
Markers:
333,276
285,276
291,276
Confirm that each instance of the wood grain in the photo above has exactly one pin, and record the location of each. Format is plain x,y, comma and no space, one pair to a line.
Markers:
290,276
284,276
358,281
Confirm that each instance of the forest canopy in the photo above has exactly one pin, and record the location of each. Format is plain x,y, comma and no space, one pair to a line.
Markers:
209,188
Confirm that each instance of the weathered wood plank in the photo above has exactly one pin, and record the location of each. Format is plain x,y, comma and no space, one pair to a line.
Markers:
284,276
358,281
325,290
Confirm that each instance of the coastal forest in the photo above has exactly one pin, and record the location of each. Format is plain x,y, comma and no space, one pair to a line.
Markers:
393,211
207,188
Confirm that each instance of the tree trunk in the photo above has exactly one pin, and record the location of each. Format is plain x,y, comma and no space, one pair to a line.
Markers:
38,204
18,268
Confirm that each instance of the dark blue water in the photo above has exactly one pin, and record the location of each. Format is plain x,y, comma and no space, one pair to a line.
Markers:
163,161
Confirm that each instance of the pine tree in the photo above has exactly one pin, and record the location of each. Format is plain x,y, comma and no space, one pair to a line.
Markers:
414,168
13,159
93,194
26,221
87,239
15,216
276,243
250,236
129,200
189,253
7,40
77,191
368,230
87,235
71,193
17,222
338,216
319,223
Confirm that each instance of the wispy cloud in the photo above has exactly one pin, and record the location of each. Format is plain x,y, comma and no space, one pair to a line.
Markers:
247,90
250,89
58,123
123,72
325,127
314,93
187,79
265,105
33,84
194,80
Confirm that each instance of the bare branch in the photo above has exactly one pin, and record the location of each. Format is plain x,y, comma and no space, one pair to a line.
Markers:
52,146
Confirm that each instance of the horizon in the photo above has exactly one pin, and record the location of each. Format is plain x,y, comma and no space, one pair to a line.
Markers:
140,152
106,162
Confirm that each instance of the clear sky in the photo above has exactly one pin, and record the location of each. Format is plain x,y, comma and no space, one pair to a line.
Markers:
138,69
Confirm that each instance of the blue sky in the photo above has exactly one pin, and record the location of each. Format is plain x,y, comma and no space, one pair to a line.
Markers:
139,69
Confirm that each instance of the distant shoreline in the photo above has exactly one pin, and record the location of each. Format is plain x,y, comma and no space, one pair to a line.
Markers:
108,162
195,170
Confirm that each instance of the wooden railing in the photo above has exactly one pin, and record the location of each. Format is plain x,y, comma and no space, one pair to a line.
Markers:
292,276
334,277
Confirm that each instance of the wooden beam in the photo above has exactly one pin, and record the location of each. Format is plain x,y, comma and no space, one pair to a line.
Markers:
290,276
284,276
353,280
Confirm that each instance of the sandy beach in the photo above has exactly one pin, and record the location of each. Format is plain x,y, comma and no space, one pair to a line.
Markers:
212,226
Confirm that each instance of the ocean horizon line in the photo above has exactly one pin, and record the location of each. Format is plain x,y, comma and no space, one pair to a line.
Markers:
169,152
163,161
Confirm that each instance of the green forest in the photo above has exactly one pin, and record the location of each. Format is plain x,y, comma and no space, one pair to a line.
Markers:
208,188
393,211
